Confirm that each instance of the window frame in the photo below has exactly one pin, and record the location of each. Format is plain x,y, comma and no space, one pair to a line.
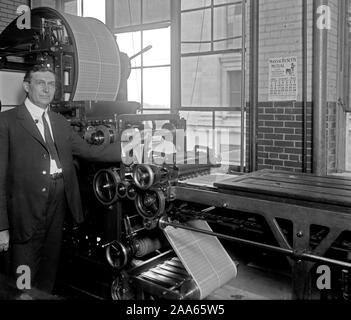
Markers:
176,13
143,27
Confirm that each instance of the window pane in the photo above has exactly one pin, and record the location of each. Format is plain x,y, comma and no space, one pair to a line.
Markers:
234,88
156,10
224,140
134,86
95,9
160,52
130,43
191,4
228,138
211,81
201,123
227,24
200,86
157,87
196,27
127,13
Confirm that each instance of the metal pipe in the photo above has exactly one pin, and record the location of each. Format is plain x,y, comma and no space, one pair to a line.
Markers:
342,83
163,222
140,52
212,24
254,34
319,89
175,56
304,82
243,85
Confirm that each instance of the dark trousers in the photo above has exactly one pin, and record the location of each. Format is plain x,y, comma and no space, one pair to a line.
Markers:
41,253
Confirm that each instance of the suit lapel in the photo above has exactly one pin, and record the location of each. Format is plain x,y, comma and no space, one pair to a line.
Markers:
26,120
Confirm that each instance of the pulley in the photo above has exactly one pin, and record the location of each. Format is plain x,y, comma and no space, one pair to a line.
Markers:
100,135
131,191
117,254
105,185
150,203
106,134
146,245
144,176
122,189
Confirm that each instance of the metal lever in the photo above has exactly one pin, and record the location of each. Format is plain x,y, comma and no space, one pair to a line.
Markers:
208,209
140,52
109,243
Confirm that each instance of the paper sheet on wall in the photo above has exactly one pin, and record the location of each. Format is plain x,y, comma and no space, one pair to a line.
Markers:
99,68
203,256
282,79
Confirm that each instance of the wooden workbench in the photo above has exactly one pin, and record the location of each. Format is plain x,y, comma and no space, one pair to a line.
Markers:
305,200
292,187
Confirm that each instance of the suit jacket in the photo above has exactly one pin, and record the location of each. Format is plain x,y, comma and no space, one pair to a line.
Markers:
25,169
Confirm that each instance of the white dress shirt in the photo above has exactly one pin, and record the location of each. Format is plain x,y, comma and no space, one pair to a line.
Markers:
36,113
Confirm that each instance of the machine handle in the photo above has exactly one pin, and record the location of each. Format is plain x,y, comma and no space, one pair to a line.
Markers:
140,52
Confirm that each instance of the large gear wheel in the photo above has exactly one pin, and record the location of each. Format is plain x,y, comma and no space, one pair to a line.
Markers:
105,185
150,204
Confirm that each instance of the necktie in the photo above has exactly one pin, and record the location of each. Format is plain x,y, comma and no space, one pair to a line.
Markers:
50,143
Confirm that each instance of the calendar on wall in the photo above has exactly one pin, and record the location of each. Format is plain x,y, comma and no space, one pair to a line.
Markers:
282,79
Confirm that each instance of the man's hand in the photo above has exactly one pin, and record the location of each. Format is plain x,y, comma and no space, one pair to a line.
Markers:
4,240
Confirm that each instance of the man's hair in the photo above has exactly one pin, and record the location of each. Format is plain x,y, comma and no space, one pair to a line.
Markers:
37,68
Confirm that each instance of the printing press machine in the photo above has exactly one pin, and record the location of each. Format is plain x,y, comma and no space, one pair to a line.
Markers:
266,213
290,222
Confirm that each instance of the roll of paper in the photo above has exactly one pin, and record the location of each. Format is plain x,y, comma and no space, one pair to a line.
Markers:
99,68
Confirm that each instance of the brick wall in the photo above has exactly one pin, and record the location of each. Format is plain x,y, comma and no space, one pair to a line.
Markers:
280,35
8,11
280,124
280,129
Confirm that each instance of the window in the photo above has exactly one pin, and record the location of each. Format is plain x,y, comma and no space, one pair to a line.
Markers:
234,87
91,8
211,74
149,81
138,26
83,8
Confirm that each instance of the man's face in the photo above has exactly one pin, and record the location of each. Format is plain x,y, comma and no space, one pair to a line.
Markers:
41,88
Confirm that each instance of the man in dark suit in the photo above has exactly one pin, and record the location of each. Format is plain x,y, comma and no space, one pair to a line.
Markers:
38,182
